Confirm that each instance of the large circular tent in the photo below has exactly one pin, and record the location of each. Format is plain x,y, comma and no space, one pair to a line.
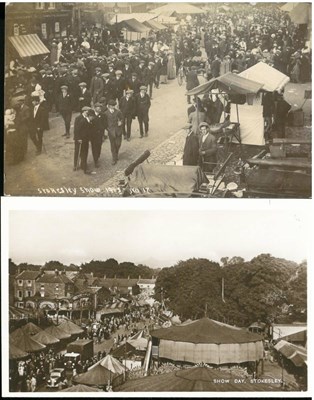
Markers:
207,341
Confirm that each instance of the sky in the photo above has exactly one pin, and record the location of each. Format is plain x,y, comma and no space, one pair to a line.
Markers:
157,238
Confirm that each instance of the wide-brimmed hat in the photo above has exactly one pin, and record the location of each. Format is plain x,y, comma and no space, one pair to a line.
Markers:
203,124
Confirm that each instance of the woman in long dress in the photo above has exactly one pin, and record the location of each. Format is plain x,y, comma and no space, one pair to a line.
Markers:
171,66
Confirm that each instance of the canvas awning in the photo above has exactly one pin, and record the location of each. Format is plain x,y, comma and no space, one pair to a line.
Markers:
140,17
132,25
45,338
269,77
296,354
301,13
177,8
154,25
229,83
28,45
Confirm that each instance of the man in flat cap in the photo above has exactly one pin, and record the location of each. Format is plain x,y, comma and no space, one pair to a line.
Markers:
134,84
37,123
97,86
85,97
118,86
207,148
114,127
191,147
127,107
83,130
140,70
149,78
65,107
99,123
107,86
142,110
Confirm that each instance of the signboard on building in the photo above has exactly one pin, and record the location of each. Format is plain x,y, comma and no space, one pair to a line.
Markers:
44,30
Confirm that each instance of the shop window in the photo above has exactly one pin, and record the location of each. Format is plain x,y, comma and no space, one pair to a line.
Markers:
40,6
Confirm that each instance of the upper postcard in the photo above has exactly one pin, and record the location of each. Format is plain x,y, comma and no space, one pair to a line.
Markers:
158,100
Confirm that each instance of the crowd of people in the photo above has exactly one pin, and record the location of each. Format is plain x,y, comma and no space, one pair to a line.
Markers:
27,375
111,83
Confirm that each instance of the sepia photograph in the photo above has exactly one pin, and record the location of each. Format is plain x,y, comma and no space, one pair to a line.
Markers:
154,299
136,99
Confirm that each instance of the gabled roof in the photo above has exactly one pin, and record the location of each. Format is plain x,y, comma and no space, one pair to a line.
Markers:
206,330
28,275
146,281
53,278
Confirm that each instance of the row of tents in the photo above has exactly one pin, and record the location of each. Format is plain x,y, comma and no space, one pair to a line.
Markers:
30,338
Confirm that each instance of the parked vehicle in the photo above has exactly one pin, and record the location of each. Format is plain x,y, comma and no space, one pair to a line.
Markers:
57,375
85,348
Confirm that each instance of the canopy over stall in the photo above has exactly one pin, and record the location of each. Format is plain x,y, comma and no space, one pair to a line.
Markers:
251,130
134,30
154,25
228,83
140,17
25,342
177,8
28,45
296,354
270,78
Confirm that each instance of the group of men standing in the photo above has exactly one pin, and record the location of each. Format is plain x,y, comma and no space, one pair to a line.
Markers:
115,118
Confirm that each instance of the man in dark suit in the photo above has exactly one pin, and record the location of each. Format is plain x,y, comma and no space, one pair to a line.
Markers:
65,106
97,86
134,84
118,86
127,106
22,120
142,110
191,147
107,86
149,78
140,70
85,97
207,148
83,129
127,70
191,81
37,122
98,132
114,127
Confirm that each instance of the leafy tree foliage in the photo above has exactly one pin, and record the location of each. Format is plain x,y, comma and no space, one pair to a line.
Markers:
265,289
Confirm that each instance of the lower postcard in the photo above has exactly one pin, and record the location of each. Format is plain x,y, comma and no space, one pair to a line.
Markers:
154,298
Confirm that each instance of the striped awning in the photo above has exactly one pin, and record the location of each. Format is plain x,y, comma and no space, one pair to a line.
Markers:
28,45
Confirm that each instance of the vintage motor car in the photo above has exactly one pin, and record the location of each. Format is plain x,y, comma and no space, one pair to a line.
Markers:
57,375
